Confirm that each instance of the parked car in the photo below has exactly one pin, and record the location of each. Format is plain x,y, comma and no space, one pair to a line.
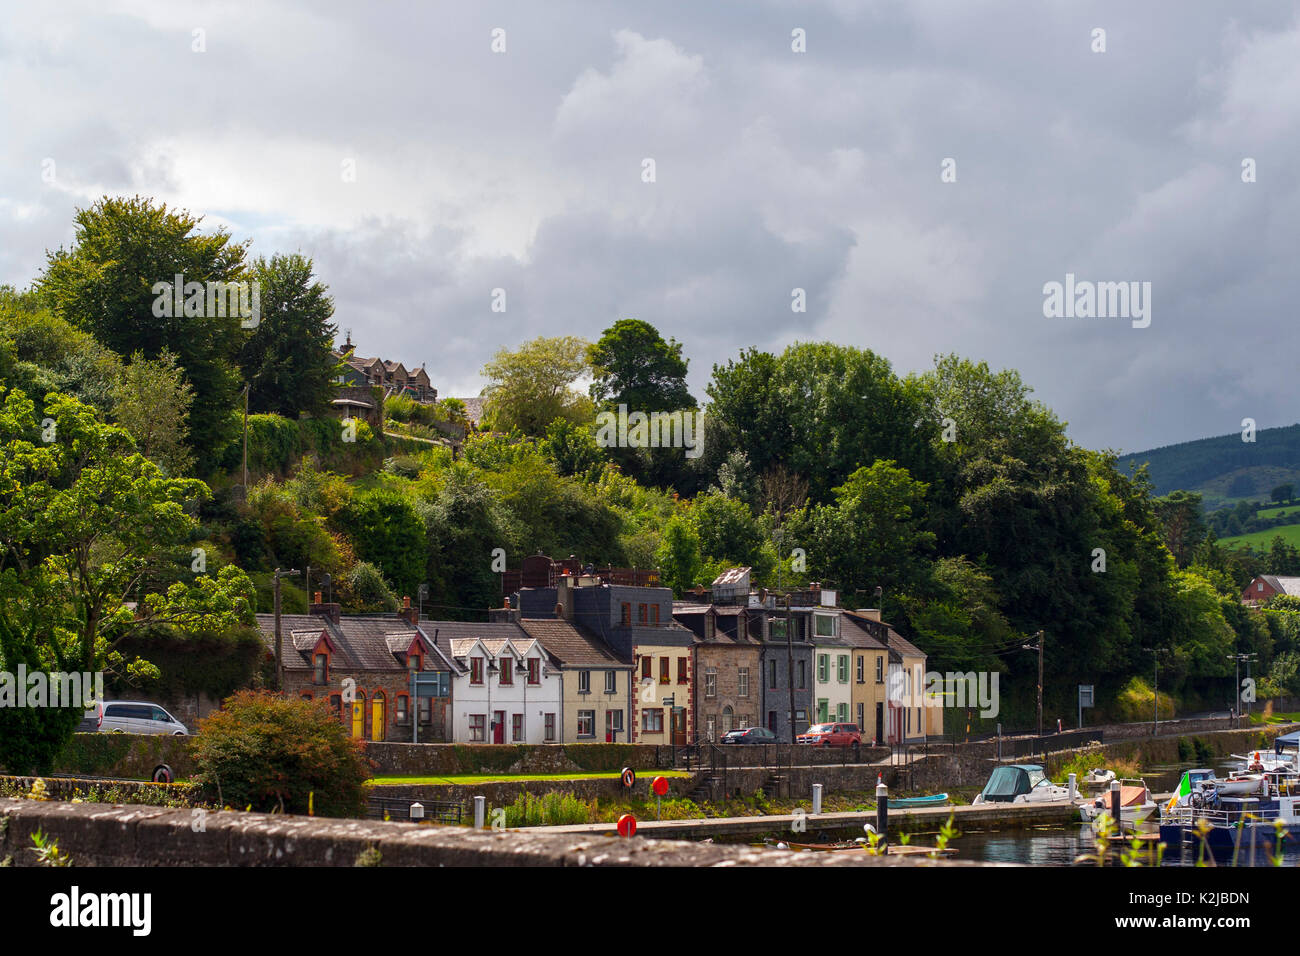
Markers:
749,735
832,735
132,717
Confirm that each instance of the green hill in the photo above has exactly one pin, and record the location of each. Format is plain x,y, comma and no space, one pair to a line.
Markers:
1224,468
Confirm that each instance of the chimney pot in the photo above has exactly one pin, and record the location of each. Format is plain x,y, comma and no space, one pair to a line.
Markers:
406,603
316,598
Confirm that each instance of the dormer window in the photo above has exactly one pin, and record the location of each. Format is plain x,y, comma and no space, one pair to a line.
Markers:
476,670
507,674
321,669
534,671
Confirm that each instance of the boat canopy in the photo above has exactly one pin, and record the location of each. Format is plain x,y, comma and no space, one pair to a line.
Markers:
1007,783
1286,742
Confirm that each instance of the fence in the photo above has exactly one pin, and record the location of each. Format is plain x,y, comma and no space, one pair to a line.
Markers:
395,808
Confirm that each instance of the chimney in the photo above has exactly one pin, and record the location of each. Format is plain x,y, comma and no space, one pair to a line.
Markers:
409,614
318,609
316,598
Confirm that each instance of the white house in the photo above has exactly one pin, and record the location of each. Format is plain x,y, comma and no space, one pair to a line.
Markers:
509,692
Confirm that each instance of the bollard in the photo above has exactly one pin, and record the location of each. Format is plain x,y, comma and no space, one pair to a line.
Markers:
817,798
882,810
417,811
480,812
1074,787
1114,801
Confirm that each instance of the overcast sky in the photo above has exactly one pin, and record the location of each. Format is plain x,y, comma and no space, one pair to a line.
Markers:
774,170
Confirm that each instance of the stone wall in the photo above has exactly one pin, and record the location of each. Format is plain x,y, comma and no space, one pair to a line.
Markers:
97,835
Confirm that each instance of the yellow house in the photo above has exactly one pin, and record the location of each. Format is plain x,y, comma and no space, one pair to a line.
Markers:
868,678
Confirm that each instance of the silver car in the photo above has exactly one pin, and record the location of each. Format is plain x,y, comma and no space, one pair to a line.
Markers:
132,717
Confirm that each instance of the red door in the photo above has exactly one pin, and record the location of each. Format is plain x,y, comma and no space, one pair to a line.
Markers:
498,726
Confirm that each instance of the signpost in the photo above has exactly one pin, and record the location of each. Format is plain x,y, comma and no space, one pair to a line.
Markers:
1085,700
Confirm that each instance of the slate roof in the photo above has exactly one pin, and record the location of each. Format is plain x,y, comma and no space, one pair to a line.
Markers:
857,635
361,641
883,633
572,646
1287,585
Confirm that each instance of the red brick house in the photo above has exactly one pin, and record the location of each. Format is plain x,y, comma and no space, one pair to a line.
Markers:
1266,586
362,664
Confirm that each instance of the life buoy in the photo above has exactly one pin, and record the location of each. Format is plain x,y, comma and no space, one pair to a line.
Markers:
163,774
629,778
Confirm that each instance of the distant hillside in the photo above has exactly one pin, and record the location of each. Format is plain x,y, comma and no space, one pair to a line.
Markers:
1224,467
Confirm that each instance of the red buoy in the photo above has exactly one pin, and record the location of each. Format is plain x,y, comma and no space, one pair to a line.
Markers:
660,786
626,825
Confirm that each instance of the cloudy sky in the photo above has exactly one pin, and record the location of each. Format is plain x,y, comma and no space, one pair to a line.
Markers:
774,169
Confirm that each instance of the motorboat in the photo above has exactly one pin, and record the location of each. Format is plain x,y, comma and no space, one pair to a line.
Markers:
1020,783
1098,776
1247,809
1135,804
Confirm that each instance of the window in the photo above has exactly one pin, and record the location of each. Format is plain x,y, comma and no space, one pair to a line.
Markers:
611,681
614,721
778,628
710,727
401,713
842,669
507,671
336,705
322,672
800,717
654,613
862,717
476,670
771,674
586,723
534,671
306,695
742,682
548,727
823,668
771,721
803,675
627,613
681,670
647,662
728,720
478,728
710,683
842,712
424,709
584,682
643,613
663,671
862,669
414,662
825,625
1258,587
652,720
516,727
880,669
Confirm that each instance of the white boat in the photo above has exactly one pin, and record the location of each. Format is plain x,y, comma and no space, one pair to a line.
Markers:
1135,804
1099,776
1020,783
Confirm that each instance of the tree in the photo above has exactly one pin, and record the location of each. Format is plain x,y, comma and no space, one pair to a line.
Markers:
632,365
530,387
1283,493
152,402
106,285
81,512
282,754
1184,526
288,360
678,555
386,531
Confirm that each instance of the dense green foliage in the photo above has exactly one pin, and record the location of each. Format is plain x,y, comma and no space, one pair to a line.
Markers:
280,754
1224,466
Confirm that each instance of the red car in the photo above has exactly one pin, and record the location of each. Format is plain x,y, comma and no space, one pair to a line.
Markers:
832,735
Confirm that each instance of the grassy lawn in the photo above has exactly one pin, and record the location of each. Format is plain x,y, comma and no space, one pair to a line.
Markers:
1290,533
1274,512
469,778
1258,718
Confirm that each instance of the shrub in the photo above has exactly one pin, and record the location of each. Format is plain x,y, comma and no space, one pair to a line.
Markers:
277,753
366,589
552,810
1134,703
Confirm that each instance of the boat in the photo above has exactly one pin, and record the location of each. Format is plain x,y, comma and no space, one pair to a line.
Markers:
1020,783
1216,811
1099,776
932,800
1135,804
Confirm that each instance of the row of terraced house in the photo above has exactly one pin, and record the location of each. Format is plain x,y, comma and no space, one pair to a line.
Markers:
577,654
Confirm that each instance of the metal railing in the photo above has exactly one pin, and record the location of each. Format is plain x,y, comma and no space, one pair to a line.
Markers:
399,810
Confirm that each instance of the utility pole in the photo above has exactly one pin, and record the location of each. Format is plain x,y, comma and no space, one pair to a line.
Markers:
247,386
279,654
1039,648
1236,689
1155,708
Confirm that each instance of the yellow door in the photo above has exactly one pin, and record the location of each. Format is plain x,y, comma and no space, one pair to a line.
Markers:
377,719
358,718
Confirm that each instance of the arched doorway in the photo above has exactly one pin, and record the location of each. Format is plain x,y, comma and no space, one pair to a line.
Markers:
728,719
359,716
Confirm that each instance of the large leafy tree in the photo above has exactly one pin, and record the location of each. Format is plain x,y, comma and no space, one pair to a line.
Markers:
531,386
632,365
104,285
287,360
152,402
81,511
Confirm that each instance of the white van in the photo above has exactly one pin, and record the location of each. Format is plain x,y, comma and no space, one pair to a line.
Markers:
132,717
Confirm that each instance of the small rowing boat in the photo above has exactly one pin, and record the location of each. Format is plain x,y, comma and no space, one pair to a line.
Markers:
932,800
